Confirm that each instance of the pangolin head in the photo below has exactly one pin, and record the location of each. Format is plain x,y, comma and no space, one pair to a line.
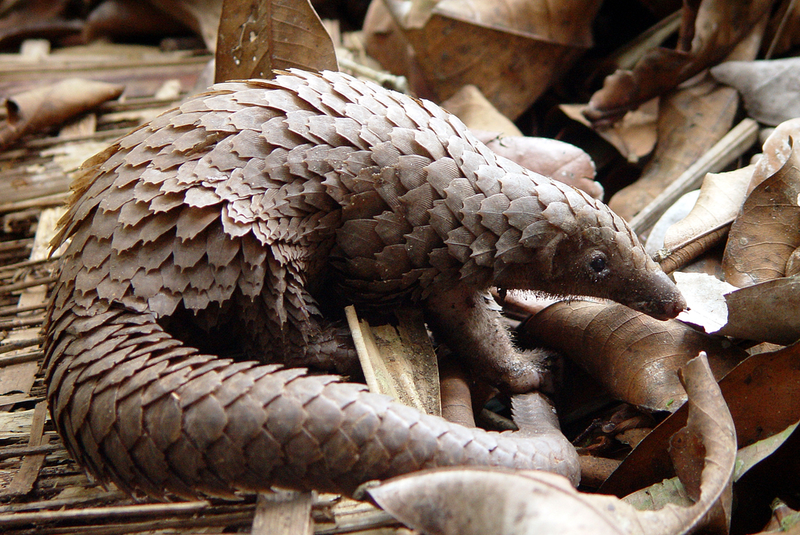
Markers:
577,246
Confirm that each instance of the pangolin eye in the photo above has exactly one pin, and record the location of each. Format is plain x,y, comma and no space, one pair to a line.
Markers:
598,263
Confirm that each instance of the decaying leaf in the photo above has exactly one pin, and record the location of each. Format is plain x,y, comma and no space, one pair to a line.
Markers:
709,31
52,105
257,37
487,501
761,396
767,230
511,50
769,88
634,356
765,312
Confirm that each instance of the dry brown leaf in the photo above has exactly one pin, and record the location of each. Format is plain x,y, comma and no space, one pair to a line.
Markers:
775,151
131,18
710,29
52,105
634,356
761,395
767,230
721,197
257,37
704,295
751,455
469,105
691,121
634,136
765,312
202,16
512,50
559,160
491,501
47,19
769,88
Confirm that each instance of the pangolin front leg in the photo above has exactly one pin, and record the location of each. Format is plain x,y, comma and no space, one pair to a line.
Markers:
474,330
243,211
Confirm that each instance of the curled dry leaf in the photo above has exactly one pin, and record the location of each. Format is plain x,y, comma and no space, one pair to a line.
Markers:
721,198
634,135
769,88
257,37
559,160
767,230
765,312
706,36
52,105
761,394
693,123
634,356
490,501
511,50
775,151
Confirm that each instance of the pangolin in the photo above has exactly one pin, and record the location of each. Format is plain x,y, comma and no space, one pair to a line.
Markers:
238,223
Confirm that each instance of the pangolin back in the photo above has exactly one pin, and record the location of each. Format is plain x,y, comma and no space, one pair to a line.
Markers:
238,210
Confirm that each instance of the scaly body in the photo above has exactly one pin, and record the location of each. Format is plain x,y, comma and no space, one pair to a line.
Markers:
235,217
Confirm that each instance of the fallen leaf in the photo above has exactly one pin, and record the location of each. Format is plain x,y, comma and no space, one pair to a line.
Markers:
469,105
705,300
721,197
692,120
775,151
130,18
749,456
202,16
761,395
634,136
676,212
708,32
767,229
499,501
775,477
635,357
257,37
769,88
52,105
765,312
46,19
511,50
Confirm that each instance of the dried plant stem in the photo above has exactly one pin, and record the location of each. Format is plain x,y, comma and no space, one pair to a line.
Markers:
724,152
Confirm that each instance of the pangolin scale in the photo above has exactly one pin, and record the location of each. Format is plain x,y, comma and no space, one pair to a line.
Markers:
238,220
